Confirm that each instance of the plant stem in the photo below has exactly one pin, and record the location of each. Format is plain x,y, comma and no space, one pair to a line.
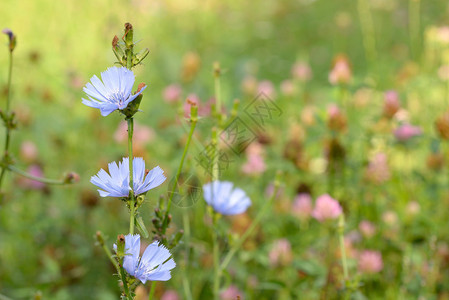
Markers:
414,26
341,228
152,290
8,129
366,22
216,256
125,284
185,278
130,122
250,230
178,172
40,179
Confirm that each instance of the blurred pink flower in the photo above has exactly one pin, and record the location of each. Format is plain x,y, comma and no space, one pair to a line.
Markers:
302,206
28,151
288,88
333,111
34,170
391,103
249,85
443,72
267,88
378,170
142,134
443,34
413,208
370,262
301,71
406,131
172,93
191,99
367,228
231,293
170,295
254,166
341,72
281,253
326,208
390,218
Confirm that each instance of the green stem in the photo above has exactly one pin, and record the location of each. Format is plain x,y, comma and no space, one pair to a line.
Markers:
367,25
414,26
29,176
152,290
132,199
216,256
8,129
341,228
215,166
178,172
250,230
109,255
125,284
217,86
185,278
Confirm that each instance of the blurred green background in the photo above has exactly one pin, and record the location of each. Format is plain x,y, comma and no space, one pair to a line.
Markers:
47,236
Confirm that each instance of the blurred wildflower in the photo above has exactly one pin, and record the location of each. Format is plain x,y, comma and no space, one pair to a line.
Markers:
191,63
406,131
370,262
308,115
225,199
390,218
435,161
114,93
288,88
231,293
442,126
443,72
172,93
192,99
36,171
301,71
378,170
367,228
341,71
117,184
326,208
391,104
170,295
302,206
266,87
142,135
336,119
155,263
413,208
281,253
249,85
255,164
442,35
28,151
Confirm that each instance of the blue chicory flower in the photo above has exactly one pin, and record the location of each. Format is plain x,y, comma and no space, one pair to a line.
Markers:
224,199
113,93
155,263
117,183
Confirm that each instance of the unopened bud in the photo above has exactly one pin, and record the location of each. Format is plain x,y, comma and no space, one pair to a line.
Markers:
12,38
71,177
99,237
442,126
128,36
217,70
115,42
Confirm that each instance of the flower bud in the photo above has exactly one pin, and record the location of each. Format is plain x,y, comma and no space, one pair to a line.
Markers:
391,104
442,126
120,245
12,38
129,35
71,177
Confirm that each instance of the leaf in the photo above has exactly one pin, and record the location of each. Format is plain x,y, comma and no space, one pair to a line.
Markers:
141,226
